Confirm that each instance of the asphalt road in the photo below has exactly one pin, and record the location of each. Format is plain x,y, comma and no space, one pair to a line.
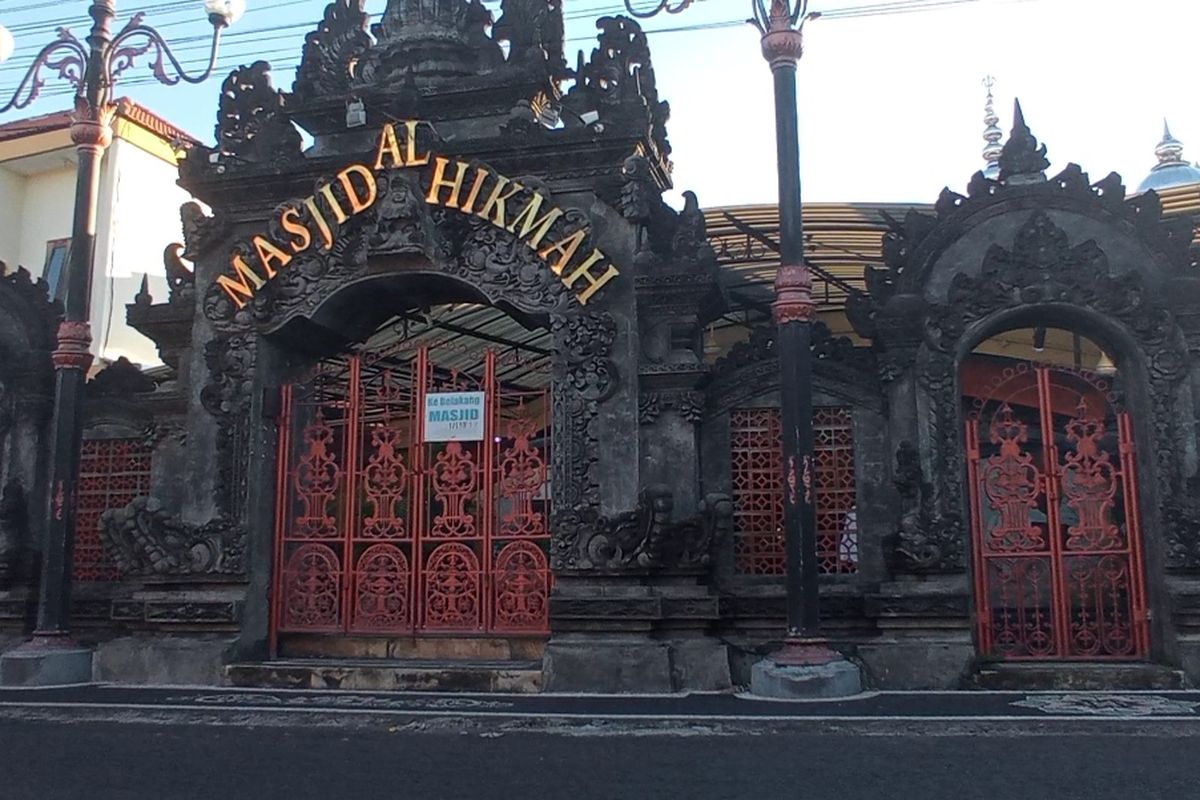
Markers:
126,759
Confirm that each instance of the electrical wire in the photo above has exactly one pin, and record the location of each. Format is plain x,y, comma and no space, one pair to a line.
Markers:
255,43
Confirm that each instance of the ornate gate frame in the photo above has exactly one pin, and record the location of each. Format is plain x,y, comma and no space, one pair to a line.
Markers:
1046,245
420,510
1023,560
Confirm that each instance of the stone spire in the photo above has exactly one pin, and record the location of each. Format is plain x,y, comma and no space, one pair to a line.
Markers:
1022,160
991,134
1171,169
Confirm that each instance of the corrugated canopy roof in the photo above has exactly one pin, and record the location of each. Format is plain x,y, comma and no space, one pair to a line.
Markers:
841,240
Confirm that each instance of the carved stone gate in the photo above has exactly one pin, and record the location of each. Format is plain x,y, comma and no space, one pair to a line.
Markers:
1057,537
381,531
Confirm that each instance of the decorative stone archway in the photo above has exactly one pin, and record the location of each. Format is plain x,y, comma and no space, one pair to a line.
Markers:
1028,251
578,249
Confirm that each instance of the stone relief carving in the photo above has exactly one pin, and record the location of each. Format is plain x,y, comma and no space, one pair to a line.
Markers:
230,360
143,539
586,348
584,376
644,538
503,266
689,405
926,540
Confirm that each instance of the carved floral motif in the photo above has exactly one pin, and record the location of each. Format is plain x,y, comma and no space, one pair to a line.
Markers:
143,539
644,538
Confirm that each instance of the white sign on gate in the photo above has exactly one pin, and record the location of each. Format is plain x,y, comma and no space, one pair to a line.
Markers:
454,416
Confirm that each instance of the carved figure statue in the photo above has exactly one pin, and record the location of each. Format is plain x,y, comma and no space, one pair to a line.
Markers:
401,216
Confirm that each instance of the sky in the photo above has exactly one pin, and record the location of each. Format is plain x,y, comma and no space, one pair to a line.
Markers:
891,106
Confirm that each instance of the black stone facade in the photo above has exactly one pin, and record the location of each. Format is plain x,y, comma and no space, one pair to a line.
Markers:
645,596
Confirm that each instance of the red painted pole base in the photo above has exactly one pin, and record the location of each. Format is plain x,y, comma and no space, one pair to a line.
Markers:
798,651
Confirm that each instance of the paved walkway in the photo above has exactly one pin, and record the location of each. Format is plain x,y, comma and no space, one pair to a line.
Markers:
1176,706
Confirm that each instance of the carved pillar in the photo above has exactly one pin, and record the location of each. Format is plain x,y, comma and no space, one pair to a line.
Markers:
628,610
672,305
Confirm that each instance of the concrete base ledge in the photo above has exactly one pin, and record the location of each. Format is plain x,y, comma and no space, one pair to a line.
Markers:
835,679
388,676
38,665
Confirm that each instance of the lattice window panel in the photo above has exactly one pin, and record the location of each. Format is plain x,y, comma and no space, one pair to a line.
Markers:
756,461
112,472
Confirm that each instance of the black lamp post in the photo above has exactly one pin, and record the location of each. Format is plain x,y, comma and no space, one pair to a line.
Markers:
781,26
93,69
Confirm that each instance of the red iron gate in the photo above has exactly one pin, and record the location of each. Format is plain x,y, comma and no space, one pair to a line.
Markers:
1057,538
380,532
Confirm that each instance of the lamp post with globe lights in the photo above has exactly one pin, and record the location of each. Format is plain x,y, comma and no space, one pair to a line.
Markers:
805,666
92,67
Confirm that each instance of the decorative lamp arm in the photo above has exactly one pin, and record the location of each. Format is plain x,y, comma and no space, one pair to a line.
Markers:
137,39
663,5
66,55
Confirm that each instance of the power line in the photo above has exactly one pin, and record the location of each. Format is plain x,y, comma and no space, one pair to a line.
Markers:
246,44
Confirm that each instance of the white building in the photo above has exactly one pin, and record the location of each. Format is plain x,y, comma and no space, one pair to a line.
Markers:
137,213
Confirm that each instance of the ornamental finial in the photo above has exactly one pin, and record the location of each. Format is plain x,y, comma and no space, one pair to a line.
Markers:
782,30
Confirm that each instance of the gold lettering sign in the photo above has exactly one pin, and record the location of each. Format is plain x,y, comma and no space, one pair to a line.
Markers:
488,195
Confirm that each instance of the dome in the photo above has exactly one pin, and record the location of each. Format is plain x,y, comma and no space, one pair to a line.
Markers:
1171,169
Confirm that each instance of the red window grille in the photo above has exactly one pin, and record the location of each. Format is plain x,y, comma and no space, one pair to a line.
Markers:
756,460
112,472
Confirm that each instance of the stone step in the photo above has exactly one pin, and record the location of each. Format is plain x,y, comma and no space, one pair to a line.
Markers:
412,648
1073,676
382,675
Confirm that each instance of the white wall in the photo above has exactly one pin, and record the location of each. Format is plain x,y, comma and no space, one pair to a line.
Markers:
45,214
141,218
137,216
12,203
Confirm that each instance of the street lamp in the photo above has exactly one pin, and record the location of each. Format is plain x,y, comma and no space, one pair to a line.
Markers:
805,666
92,69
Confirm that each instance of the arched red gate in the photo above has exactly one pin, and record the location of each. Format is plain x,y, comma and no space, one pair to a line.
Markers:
413,496
1057,537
